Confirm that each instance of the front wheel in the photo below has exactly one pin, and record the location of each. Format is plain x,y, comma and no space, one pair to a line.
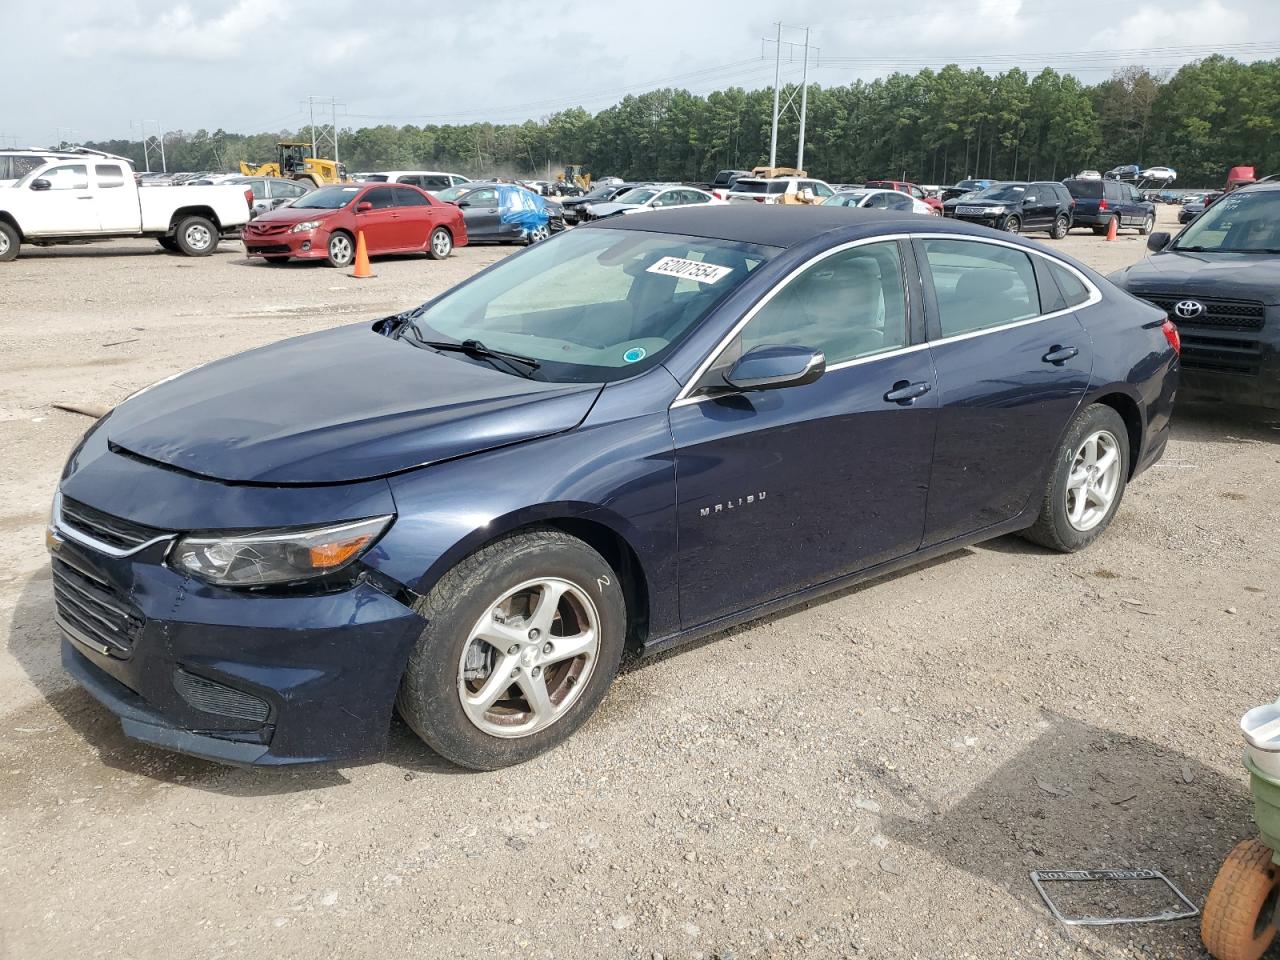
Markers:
1148,224
523,639
1239,920
1013,225
1060,227
441,244
341,250
1086,481
196,236
539,233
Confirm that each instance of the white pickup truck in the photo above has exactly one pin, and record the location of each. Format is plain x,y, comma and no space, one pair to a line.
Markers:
93,196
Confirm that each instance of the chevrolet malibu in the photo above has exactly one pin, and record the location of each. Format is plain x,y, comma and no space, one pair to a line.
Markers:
324,224
628,436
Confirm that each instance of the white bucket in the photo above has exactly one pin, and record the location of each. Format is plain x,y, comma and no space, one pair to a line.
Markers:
1261,729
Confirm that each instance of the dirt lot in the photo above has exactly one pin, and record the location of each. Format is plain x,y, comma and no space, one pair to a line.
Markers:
868,776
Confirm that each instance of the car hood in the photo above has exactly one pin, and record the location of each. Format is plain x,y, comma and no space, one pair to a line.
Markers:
337,406
609,209
987,203
1234,276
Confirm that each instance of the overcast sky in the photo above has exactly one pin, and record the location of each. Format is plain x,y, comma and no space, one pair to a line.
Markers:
84,69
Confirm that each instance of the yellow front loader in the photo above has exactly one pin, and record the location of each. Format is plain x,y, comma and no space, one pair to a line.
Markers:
295,162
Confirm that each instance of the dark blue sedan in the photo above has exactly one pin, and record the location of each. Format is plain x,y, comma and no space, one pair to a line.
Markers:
630,435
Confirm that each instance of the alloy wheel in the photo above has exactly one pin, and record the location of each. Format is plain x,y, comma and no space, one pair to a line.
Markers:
4,244
529,657
441,245
539,233
340,249
1093,481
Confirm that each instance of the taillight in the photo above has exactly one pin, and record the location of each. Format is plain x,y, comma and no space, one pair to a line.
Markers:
1170,331
248,198
1102,205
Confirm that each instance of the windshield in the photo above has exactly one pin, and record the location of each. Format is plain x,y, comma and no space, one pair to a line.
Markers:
847,199
1241,222
969,185
636,196
593,305
327,198
376,178
760,186
1003,191
454,194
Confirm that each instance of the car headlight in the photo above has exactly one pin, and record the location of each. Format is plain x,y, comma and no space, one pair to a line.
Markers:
997,211
306,225
275,556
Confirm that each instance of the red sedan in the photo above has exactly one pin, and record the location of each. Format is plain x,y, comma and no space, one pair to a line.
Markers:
322,225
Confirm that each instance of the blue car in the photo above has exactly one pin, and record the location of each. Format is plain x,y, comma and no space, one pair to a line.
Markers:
625,437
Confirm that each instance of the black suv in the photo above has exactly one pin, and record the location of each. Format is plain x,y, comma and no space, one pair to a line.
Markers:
1219,281
1098,202
1016,206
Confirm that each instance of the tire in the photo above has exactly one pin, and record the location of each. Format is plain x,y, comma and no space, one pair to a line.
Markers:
1012,225
537,234
196,236
440,245
169,244
10,242
342,249
1060,227
1239,919
274,261
1055,528
1148,224
464,603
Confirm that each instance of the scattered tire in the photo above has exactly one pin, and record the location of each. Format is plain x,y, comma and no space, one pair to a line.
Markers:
196,236
1147,225
1060,227
440,245
523,639
1239,920
342,249
1086,481
1013,225
9,242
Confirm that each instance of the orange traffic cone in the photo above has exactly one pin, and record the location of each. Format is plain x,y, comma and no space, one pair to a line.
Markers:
1111,228
362,269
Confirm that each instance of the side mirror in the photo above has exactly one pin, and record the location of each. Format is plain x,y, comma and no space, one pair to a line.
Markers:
363,206
1158,241
463,204
773,366
41,184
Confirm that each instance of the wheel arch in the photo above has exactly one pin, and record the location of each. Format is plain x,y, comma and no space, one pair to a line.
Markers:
604,531
195,211
12,221
1130,412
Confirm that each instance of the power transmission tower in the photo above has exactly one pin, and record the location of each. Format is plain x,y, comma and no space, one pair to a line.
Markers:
152,143
324,133
70,135
778,109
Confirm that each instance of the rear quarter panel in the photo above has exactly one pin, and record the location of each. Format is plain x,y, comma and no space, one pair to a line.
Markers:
158,205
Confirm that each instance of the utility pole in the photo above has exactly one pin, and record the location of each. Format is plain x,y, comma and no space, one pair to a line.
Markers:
779,109
804,100
777,73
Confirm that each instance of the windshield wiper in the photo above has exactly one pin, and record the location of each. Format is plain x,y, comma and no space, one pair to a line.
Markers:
514,362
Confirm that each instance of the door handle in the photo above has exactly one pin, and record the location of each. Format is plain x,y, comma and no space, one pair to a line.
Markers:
1060,355
905,392
84,198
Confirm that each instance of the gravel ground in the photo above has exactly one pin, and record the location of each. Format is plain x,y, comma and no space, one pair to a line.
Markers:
871,775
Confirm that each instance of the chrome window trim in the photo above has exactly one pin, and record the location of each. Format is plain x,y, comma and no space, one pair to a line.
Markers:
60,527
1095,296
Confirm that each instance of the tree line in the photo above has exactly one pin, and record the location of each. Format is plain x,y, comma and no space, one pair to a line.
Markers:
930,127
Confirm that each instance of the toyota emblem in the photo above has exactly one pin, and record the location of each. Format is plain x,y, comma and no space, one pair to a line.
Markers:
1188,309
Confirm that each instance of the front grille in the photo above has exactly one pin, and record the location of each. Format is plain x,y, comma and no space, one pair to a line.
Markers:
1221,354
267,229
1218,314
93,609
113,531
217,698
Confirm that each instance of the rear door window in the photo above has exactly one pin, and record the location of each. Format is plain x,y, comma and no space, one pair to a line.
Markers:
109,174
410,198
382,198
980,285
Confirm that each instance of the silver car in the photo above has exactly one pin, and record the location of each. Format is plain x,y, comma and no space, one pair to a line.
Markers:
272,192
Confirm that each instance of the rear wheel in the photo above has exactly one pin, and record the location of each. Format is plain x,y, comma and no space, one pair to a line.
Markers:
523,639
1013,225
1148,224
341,249
1239,919
441,244
1086,481
9,242
1060,227
196,236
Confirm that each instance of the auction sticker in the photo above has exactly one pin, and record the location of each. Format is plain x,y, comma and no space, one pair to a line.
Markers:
690,270
634,355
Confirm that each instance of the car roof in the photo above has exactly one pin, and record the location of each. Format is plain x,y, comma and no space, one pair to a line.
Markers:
781,225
